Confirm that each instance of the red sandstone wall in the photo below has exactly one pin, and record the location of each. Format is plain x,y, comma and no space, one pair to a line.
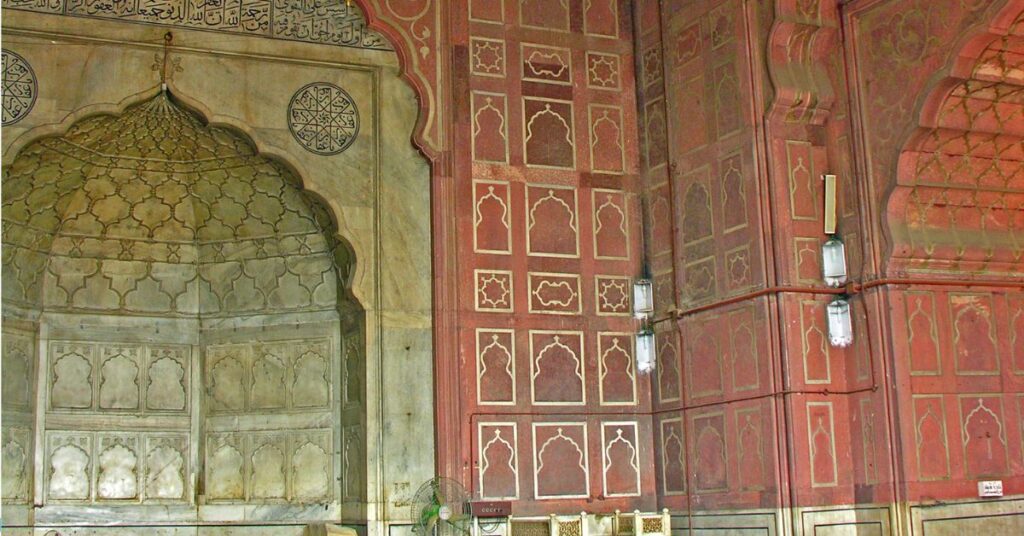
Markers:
553,410
740,106
743,107
942,130
739,175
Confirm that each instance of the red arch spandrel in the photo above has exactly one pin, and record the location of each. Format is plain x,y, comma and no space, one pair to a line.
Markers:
414,29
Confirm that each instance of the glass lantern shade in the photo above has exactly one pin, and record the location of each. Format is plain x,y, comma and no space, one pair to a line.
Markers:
840,323
833,262
645,351
643,298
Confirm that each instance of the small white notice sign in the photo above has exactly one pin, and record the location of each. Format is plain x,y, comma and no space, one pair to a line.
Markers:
990,488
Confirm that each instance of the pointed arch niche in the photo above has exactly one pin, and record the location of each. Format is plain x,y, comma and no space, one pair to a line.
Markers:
958,202
210,319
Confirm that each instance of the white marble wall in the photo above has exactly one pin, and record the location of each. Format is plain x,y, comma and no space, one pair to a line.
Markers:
364,435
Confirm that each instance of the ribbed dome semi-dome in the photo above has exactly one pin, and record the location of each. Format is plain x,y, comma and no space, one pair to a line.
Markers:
153,211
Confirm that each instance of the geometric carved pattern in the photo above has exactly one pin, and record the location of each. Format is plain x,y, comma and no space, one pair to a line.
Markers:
547,64
487,57
153,242
652,68
554,293
603,71
323,118
289,384
493,290
553,168
961,177
201,225
19,87
612,294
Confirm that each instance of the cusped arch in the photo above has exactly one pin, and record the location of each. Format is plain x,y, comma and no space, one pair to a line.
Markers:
157,171
957,204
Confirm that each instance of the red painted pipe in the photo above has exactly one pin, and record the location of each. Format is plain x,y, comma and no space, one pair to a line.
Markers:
851,288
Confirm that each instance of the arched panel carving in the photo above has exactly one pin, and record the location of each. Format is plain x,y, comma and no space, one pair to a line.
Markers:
164,229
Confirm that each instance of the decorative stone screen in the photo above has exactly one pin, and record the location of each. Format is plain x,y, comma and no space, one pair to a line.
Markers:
184,299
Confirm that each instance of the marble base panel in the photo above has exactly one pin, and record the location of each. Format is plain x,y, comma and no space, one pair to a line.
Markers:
150,530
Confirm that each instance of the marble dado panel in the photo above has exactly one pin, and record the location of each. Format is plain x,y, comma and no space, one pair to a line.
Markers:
18,361
252,530
269,376
268,411
137,378
146,467
16,471
326,22
18,357
118,460
283,466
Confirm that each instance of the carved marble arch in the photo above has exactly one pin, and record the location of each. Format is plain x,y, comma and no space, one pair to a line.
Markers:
958,199
195,204
155,251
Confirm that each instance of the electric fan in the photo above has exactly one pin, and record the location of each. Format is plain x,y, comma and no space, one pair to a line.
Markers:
439,508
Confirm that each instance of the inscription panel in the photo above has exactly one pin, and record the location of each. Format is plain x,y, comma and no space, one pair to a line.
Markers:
318,21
